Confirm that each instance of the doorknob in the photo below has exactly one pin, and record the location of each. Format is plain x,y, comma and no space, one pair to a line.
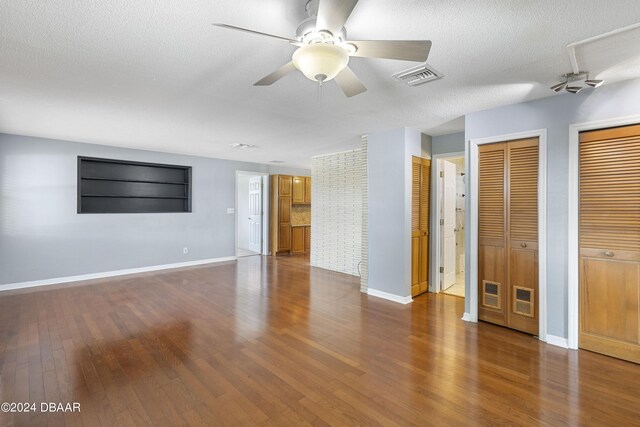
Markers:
609,254
523,245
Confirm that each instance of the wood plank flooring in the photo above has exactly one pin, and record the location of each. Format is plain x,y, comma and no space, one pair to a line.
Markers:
266,341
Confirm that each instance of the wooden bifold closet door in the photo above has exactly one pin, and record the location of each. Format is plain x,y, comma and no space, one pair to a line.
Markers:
421,182
609,266
508,234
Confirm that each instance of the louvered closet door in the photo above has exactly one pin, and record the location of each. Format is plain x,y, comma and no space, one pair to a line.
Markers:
420,185
492,225
508,234
610,242
522,225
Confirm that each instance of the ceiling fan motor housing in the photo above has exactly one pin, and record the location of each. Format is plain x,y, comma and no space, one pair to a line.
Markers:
307,33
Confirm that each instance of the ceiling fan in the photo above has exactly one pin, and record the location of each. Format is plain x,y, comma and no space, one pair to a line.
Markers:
323,48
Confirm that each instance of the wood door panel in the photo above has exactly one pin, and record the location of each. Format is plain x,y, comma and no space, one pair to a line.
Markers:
284,185
424,260
284,210
491,270
523,290
284,237
610,299
297,239
610,242
523,190
415,265
491,196
297,190
416,171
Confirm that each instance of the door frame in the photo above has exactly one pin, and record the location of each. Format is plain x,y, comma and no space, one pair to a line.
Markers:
435,284
265,210
473,147
573,309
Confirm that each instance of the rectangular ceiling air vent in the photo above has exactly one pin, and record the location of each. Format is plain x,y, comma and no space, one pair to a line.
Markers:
415,76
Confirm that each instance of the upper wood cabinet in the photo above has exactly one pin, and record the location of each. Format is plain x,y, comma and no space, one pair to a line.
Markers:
301,190
284,185
298,189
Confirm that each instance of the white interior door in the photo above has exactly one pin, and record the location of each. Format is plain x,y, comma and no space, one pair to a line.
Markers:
449,224
255,214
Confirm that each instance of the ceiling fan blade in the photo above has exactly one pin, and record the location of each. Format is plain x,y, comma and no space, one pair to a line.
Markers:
333,14
276,75
231,27
349,82
404,50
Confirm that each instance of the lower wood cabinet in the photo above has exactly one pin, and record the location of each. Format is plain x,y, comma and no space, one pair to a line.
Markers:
300,239
297,239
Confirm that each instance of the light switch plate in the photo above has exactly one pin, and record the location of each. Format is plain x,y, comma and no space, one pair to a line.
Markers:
231,210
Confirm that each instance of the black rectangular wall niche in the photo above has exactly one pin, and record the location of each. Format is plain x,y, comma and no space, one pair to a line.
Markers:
118,186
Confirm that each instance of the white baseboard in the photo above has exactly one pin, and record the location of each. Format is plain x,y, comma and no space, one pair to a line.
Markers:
388,296
467,317
69,279
557,341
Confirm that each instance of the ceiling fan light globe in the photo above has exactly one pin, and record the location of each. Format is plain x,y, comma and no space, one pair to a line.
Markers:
320,59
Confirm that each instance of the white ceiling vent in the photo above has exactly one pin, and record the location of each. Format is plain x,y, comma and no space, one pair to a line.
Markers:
418,75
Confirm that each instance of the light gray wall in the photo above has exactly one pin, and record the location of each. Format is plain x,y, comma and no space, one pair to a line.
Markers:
42,236
555,114
389,192
426,142
444,144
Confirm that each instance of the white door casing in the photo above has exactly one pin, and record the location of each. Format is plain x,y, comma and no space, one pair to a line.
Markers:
449,224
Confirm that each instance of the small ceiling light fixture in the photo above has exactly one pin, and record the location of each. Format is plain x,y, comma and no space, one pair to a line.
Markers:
242,146
580,76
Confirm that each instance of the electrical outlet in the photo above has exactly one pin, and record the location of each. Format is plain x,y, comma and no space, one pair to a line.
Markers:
185,250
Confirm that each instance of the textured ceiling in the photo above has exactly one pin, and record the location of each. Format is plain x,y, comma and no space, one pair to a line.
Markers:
156,75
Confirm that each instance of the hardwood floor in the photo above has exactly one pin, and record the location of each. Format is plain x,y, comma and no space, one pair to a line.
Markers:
275,342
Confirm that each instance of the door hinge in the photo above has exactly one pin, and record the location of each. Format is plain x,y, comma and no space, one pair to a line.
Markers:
441,174
441,269
442,222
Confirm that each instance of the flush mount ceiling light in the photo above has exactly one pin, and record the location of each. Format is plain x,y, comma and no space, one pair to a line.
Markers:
570,78
241,146
324,50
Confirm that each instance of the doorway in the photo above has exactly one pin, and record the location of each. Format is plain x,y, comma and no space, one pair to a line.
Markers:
451,210
250,187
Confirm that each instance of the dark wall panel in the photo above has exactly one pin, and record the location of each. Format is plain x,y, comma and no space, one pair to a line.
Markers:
116,186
